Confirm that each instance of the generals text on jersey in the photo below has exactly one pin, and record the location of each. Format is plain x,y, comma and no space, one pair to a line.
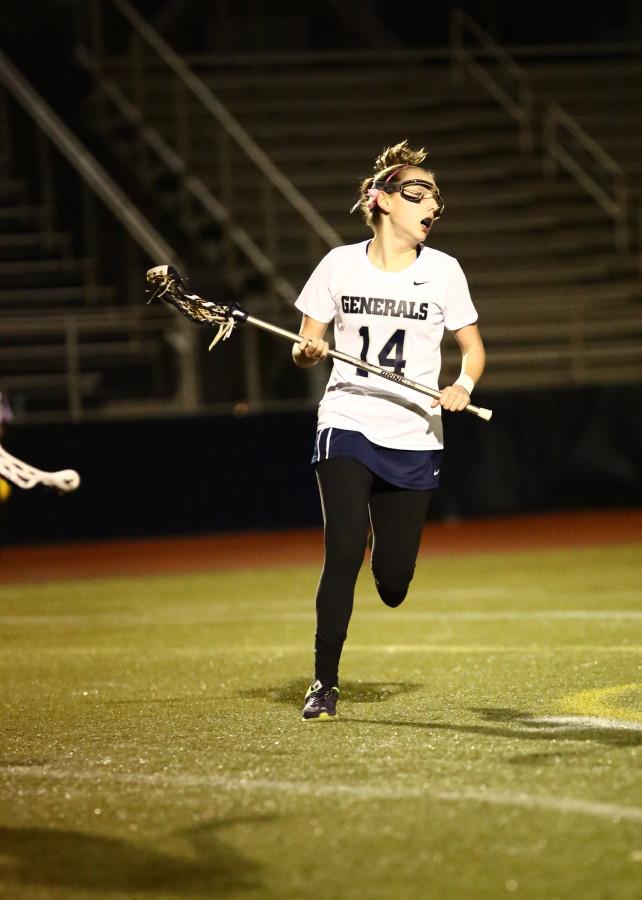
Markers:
380,306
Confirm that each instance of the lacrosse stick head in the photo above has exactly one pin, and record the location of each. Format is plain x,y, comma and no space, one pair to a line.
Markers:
65,481
25,476
165,283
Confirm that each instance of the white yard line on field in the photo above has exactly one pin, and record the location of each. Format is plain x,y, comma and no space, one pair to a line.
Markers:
522,649
613,811
493,592
8,654
581,723
525,615
229,614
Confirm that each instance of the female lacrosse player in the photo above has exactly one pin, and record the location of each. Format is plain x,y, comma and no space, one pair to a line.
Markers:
379,444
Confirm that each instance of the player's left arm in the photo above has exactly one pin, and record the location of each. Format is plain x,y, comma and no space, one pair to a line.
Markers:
455,397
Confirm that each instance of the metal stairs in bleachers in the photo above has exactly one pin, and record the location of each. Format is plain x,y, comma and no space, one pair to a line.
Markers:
604,94
41,280
69,346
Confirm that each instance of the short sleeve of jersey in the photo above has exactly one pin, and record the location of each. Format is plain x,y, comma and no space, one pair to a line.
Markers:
459,309
316,300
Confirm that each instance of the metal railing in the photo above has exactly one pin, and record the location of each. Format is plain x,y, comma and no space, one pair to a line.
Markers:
233,148
564,142
86,181
67,347
193,186
637,207
568,145
51,126
515,97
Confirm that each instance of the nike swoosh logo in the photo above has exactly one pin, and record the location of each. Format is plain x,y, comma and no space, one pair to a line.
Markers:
436,472
417,283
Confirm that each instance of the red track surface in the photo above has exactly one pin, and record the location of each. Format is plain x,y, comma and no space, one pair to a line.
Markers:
251,550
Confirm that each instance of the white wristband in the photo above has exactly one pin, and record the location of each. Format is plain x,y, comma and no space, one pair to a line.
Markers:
466,382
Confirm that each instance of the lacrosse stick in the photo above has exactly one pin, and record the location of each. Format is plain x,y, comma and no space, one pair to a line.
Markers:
25,476
165,283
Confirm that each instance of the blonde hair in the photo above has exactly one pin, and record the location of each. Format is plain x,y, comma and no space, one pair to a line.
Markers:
390,162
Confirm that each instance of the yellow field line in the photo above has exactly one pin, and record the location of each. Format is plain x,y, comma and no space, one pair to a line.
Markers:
603,702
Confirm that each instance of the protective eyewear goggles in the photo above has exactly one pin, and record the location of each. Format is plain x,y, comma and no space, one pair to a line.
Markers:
414,191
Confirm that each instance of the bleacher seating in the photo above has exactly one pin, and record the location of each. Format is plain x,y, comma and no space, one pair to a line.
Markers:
69,346
558,304
604,94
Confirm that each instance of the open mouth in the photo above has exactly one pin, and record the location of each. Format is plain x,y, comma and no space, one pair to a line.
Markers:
426,224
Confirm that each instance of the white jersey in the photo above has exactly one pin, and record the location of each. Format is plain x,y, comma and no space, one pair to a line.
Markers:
391,319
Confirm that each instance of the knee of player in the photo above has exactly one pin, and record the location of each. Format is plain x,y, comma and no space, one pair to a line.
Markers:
392,594
393,573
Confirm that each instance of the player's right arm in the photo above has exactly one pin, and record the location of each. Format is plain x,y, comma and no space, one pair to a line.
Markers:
312,347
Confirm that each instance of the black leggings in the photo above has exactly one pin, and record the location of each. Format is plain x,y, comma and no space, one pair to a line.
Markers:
353,498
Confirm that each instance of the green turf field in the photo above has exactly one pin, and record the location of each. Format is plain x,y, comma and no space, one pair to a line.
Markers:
488,743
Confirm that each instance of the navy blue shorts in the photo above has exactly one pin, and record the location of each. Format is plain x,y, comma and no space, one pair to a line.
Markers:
415,470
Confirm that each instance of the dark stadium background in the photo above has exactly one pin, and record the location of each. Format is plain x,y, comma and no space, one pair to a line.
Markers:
560,449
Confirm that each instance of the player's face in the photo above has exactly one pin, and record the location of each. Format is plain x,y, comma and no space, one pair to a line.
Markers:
412,211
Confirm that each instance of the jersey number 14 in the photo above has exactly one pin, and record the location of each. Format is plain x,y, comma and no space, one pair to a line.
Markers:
391,356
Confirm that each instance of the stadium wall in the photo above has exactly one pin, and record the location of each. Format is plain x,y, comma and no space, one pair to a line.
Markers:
545,450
